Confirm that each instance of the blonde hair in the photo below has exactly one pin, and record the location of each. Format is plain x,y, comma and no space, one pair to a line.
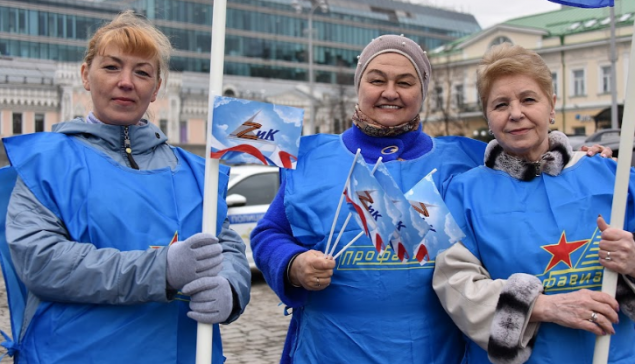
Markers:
506,59
133,35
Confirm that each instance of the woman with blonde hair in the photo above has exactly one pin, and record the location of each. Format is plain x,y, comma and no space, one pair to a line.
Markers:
104,223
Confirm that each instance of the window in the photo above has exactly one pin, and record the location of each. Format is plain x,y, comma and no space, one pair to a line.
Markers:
500,40
578,83
17,123
554,81
438,98
459,98
183,132
605,82
258,189
579,130
39,122
163,125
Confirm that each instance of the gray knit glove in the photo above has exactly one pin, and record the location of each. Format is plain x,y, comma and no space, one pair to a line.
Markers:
198,256
210,299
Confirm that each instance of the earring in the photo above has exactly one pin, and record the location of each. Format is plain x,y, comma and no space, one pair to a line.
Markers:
552,121
490,132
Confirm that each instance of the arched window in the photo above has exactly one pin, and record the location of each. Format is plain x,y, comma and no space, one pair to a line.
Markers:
499,40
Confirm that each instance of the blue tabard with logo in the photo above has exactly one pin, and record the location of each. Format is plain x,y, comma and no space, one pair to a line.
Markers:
546,227
377,309
113,206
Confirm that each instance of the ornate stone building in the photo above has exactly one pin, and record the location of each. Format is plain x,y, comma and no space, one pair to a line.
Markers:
267,55
576,45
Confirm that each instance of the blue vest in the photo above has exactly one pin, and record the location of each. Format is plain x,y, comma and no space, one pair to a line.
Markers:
513,230
377,309
112,206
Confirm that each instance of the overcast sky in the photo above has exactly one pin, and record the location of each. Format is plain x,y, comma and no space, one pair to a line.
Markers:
491,12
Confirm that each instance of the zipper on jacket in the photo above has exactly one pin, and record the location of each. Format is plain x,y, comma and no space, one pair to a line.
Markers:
126,142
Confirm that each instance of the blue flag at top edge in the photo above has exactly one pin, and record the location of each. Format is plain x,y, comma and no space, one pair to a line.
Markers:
586,3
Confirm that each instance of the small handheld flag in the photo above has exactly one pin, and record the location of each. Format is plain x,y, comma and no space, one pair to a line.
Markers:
411,230
376,214
444,231
585,3
255,132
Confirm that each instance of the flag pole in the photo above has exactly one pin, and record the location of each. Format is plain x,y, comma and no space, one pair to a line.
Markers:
339,204
205,332
618,209
339,235
361,233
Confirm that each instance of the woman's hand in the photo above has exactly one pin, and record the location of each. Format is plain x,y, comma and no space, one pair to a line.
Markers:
605,152
312,270
617,249
592,311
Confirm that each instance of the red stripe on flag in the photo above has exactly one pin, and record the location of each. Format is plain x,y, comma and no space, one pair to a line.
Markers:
378,243
421,253
360,211
286,157
401,252
242,148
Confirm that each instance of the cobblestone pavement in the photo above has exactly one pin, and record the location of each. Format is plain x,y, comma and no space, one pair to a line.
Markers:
256,337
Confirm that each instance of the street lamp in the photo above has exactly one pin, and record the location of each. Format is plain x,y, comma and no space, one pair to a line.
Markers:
323,6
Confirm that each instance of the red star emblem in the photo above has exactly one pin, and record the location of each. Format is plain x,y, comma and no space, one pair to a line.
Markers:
562,251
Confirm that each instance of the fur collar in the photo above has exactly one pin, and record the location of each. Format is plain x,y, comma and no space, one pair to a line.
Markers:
551,163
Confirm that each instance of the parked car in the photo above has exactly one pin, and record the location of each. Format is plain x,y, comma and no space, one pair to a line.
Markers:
577,141
605,137
600,137
250,192
614,144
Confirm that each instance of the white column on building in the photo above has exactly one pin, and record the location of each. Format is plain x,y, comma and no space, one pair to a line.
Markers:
175,103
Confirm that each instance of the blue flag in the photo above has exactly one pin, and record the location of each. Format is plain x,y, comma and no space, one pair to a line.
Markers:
585,3
376,214
246,131
411,229
444,231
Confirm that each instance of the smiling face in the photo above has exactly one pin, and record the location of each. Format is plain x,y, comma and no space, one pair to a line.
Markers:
390,90
518,113
122,86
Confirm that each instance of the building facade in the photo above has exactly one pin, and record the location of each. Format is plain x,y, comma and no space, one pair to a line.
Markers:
576,45
266,55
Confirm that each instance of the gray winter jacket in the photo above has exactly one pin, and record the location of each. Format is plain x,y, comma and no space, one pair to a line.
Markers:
35,234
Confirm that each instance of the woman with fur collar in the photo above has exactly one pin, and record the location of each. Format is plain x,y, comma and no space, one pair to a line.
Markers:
524,285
